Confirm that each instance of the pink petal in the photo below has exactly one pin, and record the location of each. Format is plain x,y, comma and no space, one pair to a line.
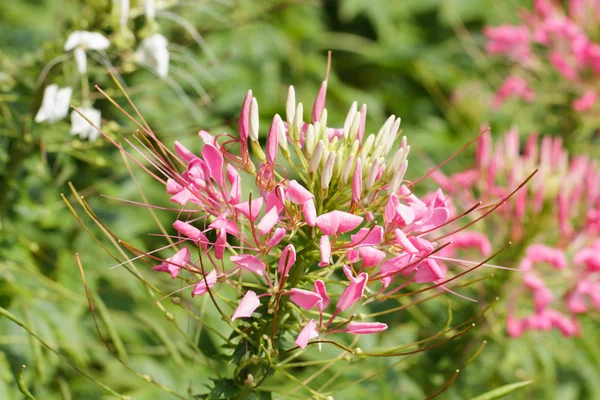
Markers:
235,183
173,264
325,247
403,241
298,194
467,240
328,223
277,236
363,328
310,213
184,153
201,287
207,138
214,160
370,256
268,221
367,237
335,222
429,271
287,259
220,244
249,262
250,212
244,121
319,102
173,187
354,291
191,232
272,141
304,298
319,288
308,332
249,303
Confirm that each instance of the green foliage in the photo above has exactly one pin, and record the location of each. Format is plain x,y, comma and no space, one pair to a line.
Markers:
419,59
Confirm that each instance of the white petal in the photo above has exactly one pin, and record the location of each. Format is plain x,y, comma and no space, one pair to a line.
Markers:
81,127
80,59
153,52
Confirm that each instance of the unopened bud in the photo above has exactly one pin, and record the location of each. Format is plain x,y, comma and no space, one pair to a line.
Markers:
347,169
333,143
357,181
315,160
309,142
384,131
327,172
337,166
374,172
363,119
290,107
354,127
354,148
254,120
349,119
366,149
397,178
282,138
298,120
323,119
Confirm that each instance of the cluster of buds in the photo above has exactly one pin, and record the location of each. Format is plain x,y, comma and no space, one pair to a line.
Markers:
551,34
556,219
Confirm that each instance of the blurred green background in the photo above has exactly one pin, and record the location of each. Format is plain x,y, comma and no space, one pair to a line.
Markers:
419,59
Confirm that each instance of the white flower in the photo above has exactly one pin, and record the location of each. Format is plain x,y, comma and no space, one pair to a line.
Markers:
80,126
55,104
79,41
153,53
150,9
124,7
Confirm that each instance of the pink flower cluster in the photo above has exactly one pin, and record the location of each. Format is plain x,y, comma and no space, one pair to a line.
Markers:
566,188
557,215
579,289
555,35
348,209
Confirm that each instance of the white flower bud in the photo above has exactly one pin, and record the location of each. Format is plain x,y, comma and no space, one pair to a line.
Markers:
373,172
253,120
298,120
282,137
366,149
354,148
323,119
384,131
327,171
354,127
309,143
290,107
315,160
397,178
350,119
347,169
337,166
333,143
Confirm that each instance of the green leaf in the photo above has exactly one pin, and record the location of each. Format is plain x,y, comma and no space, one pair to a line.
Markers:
502,391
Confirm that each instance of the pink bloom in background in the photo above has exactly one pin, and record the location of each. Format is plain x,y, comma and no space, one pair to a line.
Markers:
513,86
564,42
585,102
560,268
